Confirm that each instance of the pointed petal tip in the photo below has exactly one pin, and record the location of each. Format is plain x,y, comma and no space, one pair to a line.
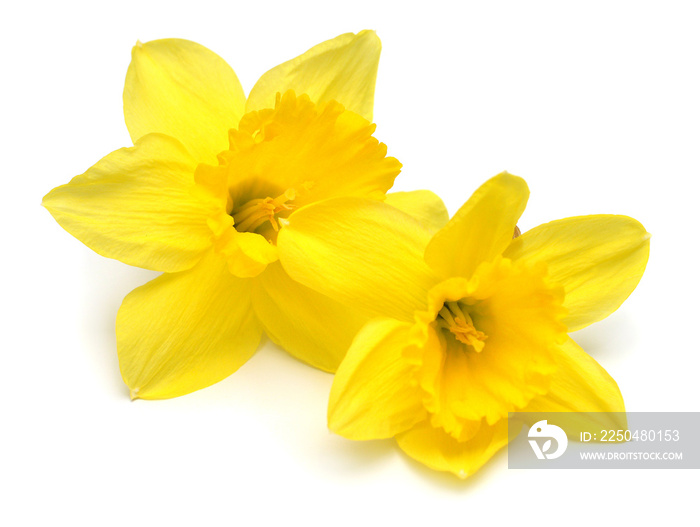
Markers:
46,199
134,393
369,34
137,49
507,175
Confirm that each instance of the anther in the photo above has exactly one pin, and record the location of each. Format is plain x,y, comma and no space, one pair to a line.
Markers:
453,318
256,212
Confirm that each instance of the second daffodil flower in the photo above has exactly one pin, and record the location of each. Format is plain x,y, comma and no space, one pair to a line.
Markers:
202,194
471,322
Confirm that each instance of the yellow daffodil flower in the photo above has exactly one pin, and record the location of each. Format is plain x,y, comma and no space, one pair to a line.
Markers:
471,322
202,194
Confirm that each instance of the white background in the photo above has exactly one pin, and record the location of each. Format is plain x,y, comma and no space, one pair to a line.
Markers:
596,104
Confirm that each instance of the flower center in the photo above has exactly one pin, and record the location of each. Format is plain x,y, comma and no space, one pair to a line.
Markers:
279,160
454,317
256,212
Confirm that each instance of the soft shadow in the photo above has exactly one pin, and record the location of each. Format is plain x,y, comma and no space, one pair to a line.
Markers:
355,457
452,483
610,339
105,284
361,458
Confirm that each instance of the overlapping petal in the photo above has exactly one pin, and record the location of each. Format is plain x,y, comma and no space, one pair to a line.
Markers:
599,260
481,229
342,69
423,205
307,324
361,252
248,254
373,395
136,205
438,450
184,331
182,89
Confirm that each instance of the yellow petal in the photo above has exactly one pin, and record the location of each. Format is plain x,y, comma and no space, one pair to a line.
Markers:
363,253
307,324
581,385
423,205
185,331
136,205
375,394
599,260
182,89
247,253
480,230
342,69
438,450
